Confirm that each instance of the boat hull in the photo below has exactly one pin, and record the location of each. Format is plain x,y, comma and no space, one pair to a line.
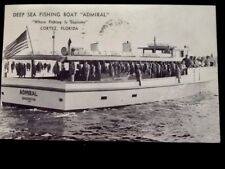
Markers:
67,96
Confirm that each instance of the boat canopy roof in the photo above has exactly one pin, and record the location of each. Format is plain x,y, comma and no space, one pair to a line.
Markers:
61,58
120,58
158,47
39,57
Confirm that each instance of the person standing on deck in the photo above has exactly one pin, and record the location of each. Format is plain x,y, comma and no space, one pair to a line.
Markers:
173,68
71,70
56,69
24,70
48,67
86,71
132,68
33,69
164,70
62,73
111,70
127,68
212,61
78,73
207,61
145,68
104,67
183,68
99,71
17,68
150,70
20,69
187,62
178,72
12,66
154,70
115,66
158,67
92,72
28,66
138,74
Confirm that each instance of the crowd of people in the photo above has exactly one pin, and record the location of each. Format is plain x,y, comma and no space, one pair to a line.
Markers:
22,68
194,61
94,70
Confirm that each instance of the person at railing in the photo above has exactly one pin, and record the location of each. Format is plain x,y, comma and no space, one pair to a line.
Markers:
158,66
187,61
199,61
207,61
86,71
127,68
79,73
212,61
92,72
132,68
183,68
173,69
48,67
119,67
28,66
150,70
178,72
72,71
138,73
19,69
56,69
111,70
24,70
195,62
33,69
104,67
169,70
99,71
12,66
145,68
154,70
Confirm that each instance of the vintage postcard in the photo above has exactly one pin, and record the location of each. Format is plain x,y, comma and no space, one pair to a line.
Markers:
137,73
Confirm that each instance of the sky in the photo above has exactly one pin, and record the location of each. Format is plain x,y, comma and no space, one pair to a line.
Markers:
194,26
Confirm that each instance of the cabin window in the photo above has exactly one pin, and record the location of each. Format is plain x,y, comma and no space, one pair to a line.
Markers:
60,99
2,93
104,98
134,95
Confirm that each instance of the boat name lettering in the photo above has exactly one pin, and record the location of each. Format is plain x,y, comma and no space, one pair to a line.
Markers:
28,92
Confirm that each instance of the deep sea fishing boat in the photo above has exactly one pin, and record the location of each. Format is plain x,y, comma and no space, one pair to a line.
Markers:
115,81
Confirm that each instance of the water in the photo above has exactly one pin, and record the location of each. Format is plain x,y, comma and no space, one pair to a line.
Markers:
190,119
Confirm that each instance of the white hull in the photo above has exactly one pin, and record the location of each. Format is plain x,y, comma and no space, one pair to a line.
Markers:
67,96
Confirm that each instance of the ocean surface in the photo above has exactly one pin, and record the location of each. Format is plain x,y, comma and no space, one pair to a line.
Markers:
189,119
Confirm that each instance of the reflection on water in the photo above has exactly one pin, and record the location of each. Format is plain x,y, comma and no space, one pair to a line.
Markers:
190,119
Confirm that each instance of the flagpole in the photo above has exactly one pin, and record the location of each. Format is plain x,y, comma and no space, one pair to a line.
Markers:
30,40
32,60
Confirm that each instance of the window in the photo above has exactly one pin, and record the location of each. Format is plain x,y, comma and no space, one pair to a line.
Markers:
104,98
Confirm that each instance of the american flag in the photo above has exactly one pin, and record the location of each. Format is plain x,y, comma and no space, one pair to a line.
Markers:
16,46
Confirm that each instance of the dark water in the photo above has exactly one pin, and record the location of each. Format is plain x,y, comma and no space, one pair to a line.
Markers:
190,119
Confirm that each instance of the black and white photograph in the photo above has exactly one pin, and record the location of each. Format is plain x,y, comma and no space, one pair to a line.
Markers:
133,73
